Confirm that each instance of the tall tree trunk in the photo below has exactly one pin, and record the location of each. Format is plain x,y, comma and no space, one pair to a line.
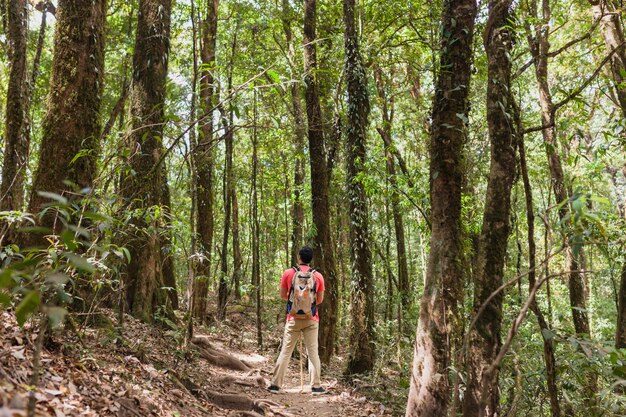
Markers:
398,220
484,338
202,155
227,187
193,186
71,127
256,231
16,136
441,311
237,260
548,345
362,353
324,257
142,190
222,289
299,137
539,47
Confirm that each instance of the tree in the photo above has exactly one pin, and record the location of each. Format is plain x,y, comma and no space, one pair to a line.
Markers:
143,180
299,135
324,257
203,160
17,139
429,395
71,128
362,355
387,110
482,396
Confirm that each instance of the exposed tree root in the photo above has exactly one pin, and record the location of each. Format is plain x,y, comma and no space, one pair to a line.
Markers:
216,356
244,403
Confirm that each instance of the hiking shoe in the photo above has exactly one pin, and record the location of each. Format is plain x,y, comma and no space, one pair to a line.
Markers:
273,389
318,391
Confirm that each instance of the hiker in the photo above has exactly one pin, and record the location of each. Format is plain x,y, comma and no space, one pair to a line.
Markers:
302,318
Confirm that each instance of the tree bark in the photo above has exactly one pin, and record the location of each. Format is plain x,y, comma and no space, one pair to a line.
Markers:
324,257
299,137
441,311
17,140
71,127
484,337
361,352
203,161
143,183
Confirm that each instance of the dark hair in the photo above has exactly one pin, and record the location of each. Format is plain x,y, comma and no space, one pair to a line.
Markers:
306,254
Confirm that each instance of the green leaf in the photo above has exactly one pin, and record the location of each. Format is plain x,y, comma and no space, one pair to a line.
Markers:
5,299
273,75
79,262
68,240
53,196
56,316
27,306
578,205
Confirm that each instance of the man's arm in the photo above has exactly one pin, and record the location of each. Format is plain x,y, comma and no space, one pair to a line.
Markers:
320,298
284,293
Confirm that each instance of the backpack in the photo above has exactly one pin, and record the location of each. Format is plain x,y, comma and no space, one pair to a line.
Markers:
302,295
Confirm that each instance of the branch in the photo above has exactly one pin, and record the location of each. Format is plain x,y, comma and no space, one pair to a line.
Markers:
577,91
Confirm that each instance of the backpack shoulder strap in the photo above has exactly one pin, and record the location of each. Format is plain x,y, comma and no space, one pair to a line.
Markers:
313,271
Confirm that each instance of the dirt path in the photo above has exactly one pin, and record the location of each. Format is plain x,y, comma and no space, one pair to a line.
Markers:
148,373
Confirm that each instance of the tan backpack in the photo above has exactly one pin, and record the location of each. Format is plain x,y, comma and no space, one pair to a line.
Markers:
302,295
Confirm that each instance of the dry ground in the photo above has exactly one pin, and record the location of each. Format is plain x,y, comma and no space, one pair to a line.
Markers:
148,373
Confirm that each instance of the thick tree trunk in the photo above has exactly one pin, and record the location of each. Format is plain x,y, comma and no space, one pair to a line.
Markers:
71,127
17,140
299,137
362,353
203,161
484,338
324,256
142,190
387,110
441,311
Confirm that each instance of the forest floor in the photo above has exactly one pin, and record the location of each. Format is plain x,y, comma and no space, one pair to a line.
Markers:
147,372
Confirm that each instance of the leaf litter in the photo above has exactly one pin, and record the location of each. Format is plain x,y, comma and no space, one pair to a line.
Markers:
147,373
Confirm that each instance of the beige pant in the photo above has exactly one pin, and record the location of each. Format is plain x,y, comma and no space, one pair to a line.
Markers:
293,328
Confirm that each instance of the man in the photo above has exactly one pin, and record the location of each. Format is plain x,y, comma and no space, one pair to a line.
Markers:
294,327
